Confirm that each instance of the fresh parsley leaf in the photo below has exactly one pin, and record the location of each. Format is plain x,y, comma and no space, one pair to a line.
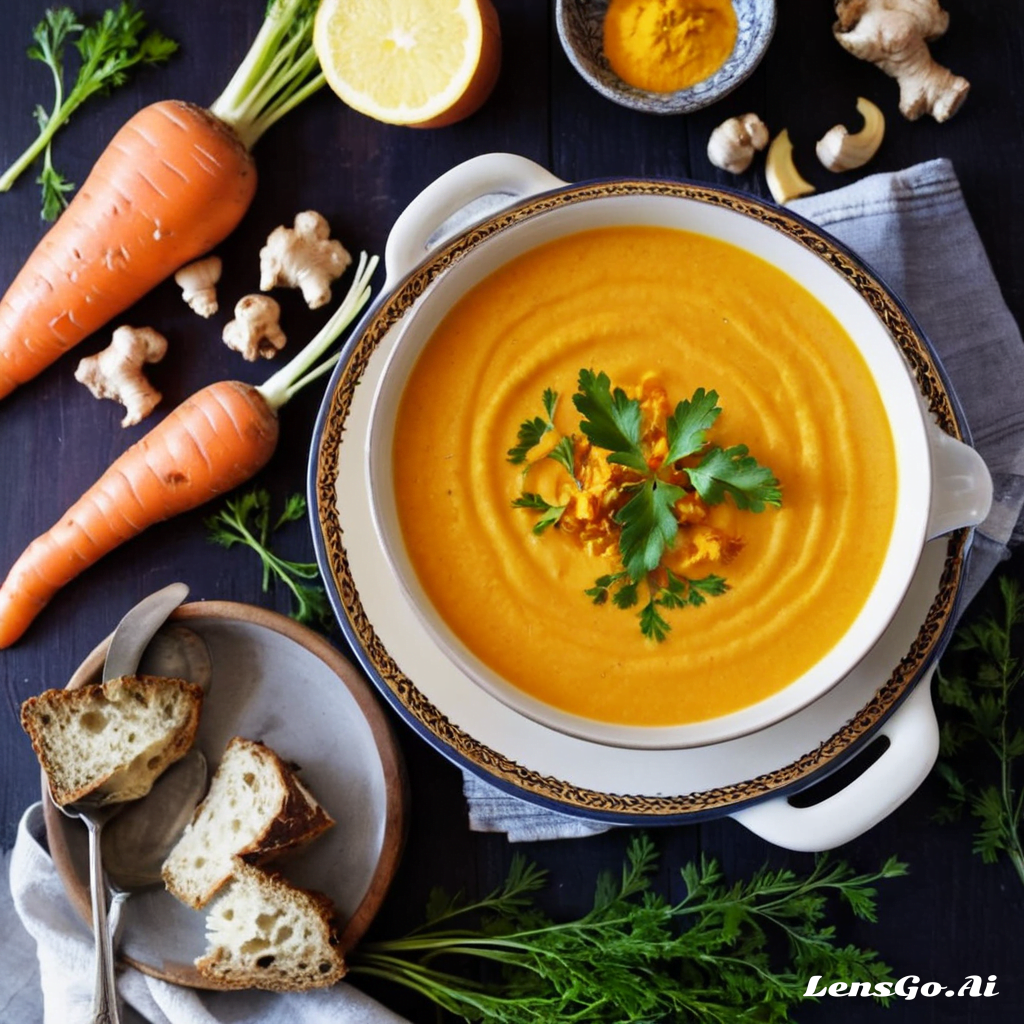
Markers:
735,472
648,526
688,426
611,420
564,453
602,586
108,49
551,513
652,625
549,400
530,433
245,519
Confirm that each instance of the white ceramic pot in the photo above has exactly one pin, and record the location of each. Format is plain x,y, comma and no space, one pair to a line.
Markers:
942,483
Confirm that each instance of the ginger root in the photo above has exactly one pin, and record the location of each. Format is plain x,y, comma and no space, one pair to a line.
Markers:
198,282
733,143
255,331
304,256
839,150
117,373
894,35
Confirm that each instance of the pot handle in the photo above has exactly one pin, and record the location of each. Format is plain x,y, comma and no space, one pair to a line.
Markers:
962,487
913,733
431,218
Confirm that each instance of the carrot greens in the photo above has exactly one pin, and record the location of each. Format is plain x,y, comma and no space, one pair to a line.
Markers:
280,70
977,683
725,953
109,49
247,520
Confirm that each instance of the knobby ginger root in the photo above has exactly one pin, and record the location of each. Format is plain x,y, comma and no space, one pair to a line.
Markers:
198,284
117,373
255,331
894,35
304,256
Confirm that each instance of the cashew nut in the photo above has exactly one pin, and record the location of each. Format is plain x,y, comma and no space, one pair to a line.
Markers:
784,180
838,150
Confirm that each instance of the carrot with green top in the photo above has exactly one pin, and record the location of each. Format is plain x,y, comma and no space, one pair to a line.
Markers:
213,441
173,183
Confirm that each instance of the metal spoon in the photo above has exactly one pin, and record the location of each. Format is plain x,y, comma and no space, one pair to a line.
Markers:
137,841
130,639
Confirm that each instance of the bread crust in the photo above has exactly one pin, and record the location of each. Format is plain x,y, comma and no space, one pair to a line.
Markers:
228,967
298,821
125,781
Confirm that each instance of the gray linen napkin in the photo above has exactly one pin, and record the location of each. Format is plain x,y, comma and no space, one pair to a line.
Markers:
913,228
50,979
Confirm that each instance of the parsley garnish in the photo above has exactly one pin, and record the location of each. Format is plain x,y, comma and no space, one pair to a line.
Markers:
654,484
247,520
109,48
726,953
977,683
531,431
551,513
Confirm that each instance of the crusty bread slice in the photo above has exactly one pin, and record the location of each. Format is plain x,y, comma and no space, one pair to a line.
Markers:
110,741
256,809
264,932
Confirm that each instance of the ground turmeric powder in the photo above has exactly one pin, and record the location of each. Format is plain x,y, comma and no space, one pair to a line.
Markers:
666,45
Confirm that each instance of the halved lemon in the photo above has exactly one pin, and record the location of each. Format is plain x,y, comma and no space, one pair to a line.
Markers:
423,63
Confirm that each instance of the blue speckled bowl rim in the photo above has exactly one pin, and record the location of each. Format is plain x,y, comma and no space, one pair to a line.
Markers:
685,101
450,740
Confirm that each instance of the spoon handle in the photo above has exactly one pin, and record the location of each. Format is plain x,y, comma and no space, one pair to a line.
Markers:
104,1001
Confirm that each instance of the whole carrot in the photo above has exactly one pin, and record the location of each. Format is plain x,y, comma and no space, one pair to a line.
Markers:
173,183
212,442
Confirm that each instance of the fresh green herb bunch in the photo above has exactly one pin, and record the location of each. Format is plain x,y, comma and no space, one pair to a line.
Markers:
108,49
636,957
977,683
613,422
247,520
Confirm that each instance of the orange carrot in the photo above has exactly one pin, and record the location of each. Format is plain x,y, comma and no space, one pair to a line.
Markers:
174,182
212,442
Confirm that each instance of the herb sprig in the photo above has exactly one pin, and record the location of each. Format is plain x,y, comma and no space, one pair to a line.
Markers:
108,49
635,956
247,520
977,685
613,422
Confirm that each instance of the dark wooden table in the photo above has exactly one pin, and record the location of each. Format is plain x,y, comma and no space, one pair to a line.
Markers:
953,915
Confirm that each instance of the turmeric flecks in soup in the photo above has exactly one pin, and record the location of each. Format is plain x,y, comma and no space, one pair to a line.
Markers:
666,45
640,480
662,313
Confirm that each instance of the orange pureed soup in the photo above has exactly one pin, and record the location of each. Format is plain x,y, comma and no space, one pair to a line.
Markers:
695,313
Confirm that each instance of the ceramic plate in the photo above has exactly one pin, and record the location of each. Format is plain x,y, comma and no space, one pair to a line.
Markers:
505,748
275,681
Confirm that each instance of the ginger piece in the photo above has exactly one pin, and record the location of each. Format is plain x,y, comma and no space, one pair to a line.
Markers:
894,35
117,373
305,257
198,281
733,143
255,331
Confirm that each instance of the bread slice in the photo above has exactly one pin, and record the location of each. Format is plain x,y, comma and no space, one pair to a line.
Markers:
110,741
256,809
264,932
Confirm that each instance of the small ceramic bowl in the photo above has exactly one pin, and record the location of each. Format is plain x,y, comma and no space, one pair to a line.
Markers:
581,30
